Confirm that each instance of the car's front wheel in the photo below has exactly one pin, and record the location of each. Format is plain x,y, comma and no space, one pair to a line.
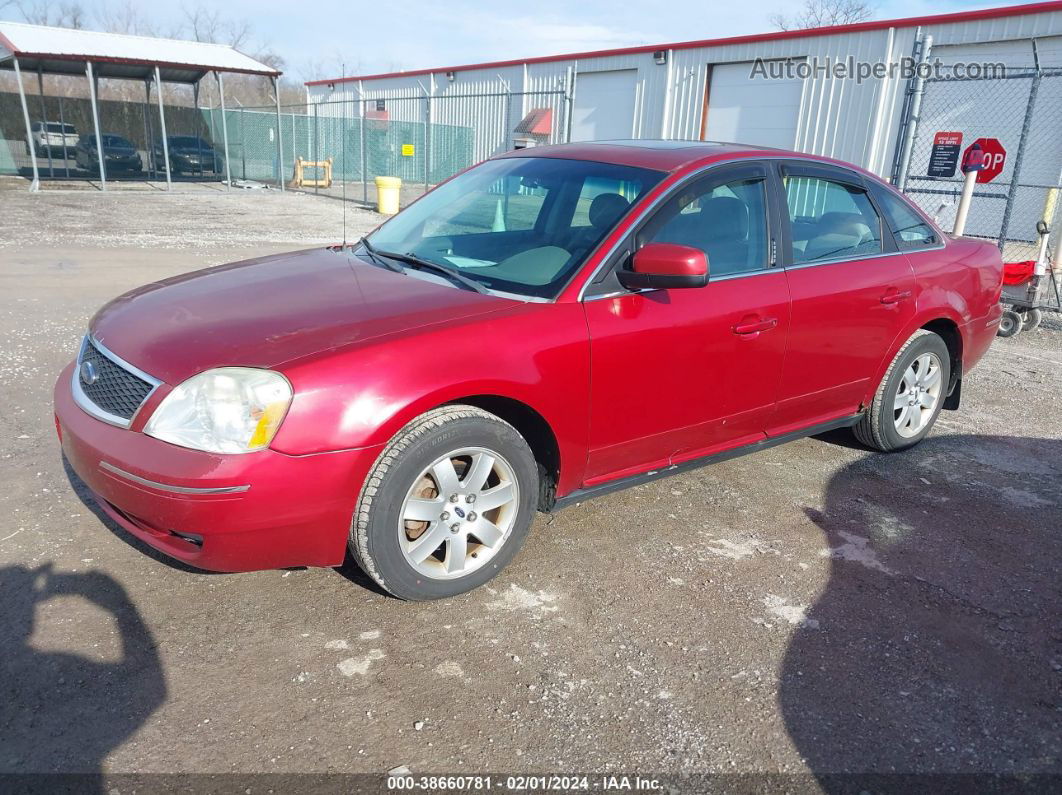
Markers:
446,505
910,395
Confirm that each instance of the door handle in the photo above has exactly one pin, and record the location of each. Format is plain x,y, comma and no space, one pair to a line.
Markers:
756,326
894,296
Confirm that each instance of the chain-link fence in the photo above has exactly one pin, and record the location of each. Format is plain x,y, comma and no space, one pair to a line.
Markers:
63,137
422,140
1022,110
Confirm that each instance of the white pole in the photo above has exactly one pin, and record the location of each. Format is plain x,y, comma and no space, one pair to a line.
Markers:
44,120
96,124
280,139
224,128
964,203
36,184
162,124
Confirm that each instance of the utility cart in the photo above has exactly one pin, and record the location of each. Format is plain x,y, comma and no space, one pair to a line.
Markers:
1029,289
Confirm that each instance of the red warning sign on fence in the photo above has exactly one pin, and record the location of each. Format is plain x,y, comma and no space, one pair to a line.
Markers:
944,158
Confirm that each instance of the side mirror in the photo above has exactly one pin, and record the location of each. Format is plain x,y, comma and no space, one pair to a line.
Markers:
665,265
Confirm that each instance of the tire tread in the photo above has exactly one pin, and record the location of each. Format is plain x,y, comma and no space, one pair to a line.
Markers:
416,429
869,429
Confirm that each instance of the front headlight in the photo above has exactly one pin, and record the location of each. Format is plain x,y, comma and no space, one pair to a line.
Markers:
227,410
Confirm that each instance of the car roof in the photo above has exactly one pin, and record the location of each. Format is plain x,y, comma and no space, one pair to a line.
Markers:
660,155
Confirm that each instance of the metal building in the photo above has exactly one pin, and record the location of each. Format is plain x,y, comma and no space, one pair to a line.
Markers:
705,89
709,89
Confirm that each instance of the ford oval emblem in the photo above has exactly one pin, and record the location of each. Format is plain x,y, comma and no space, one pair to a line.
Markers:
89,373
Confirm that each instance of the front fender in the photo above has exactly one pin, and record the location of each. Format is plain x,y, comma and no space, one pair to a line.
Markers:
537,354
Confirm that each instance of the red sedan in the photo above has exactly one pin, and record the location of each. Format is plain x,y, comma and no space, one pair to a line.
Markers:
551,324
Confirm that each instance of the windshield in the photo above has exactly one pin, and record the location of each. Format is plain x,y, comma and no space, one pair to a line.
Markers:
55,127
115,140
520,225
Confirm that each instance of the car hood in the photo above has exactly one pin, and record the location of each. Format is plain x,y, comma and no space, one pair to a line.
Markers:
191,150
269,311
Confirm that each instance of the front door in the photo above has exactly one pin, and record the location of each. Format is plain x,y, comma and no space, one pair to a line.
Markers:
680,373
852,294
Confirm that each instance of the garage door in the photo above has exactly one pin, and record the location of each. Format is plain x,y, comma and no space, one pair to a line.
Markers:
604,105
752,110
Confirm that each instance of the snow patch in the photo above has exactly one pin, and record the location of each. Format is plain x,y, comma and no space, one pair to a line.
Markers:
516,598
449,668
796,615
725,548
857,550
360,665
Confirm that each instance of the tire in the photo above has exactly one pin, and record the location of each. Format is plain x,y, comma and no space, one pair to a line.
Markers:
886,427
1030,320
1009,324
402,483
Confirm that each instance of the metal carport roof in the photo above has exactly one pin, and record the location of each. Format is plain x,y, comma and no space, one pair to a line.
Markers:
65,51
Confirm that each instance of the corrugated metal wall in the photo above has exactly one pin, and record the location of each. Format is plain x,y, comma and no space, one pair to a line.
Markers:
842,118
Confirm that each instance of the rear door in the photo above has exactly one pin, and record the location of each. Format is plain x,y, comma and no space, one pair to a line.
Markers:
852,293
676,374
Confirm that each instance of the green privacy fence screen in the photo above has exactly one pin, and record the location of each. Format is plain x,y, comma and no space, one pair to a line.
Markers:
391,148
421,139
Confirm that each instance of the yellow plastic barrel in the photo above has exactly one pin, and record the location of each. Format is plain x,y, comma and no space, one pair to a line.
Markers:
387,192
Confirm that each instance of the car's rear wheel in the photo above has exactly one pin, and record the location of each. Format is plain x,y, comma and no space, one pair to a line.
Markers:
910,396
446,505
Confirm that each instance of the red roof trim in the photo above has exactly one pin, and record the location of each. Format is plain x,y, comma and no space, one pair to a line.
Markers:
6,43
882,24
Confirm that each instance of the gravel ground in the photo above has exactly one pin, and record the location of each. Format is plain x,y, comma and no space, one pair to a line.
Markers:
810,610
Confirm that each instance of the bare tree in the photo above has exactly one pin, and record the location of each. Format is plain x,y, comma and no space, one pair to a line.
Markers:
202,23
69,14
825,13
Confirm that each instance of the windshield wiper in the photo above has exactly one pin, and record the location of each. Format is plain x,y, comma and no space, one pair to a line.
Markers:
428,265
376,258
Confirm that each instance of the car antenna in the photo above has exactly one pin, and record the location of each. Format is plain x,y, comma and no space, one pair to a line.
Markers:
343,69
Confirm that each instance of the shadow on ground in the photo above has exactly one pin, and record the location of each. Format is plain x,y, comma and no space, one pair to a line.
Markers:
62,712
936,646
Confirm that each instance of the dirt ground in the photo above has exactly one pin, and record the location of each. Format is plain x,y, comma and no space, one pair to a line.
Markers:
797,615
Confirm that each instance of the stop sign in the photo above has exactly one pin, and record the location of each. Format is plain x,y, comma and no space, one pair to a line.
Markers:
995,158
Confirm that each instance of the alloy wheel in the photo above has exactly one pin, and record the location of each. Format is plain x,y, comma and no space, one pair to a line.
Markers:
458,513
918,395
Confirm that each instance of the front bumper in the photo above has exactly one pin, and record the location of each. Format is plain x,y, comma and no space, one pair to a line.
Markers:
261,510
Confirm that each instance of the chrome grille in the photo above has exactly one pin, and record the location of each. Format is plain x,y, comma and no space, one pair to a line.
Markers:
109,386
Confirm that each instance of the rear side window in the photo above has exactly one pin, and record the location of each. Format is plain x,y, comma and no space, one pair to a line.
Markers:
831,220
908,227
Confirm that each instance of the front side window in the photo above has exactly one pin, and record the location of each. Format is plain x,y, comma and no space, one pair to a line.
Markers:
521,225
727,222
831,220
908,227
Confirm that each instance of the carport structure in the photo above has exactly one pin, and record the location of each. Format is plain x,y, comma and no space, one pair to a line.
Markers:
62,51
